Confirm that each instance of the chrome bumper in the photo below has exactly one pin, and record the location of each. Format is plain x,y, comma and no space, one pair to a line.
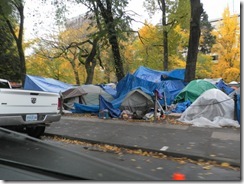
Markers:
7,120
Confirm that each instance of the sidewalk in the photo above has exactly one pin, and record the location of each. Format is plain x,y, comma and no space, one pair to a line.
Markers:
220,144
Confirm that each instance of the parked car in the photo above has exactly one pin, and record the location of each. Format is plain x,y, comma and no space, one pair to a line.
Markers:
27,109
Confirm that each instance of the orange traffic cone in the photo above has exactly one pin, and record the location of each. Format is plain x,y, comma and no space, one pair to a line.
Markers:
178,176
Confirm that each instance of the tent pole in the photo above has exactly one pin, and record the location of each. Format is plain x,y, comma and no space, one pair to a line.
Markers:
155,106
235,106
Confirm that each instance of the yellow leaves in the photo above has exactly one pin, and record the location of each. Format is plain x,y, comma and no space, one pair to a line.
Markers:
227,47
231,74
224,164
148,32
176,62
147,49
206,165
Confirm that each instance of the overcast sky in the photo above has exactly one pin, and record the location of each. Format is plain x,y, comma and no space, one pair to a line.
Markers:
214,9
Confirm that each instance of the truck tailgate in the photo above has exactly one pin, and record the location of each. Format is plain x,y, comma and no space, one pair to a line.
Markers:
13,101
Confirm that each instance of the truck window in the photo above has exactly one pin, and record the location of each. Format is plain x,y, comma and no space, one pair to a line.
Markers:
4,85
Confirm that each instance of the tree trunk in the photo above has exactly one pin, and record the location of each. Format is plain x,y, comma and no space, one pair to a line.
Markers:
90,63
73,65
112,34
165,37
20,47
90,67
22,62
117,59
195,31
166,52
77,78
19,39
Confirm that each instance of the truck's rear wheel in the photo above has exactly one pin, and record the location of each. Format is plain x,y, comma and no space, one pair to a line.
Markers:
35,131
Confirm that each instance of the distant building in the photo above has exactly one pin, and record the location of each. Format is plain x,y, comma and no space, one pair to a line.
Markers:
216,22
76,22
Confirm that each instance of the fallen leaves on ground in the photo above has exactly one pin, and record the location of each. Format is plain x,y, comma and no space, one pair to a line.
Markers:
206,165
167,120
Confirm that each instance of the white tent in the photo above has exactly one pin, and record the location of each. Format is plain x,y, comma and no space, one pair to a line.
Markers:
212,109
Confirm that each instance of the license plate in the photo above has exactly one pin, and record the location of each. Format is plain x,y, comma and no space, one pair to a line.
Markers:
31,117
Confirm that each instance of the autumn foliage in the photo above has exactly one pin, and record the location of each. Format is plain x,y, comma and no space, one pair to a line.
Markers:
144,47
227,48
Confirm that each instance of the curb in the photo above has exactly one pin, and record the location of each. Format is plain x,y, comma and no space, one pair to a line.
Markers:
167,153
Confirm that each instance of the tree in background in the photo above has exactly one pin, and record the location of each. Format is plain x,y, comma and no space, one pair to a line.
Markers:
112,22
12,12
173,13
58,69
145,48
9,60
207,39
204,66
204,60
74,46
228,48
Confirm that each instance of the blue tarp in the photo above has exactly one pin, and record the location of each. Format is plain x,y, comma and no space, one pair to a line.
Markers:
238,108
109,90
81,108
170,87
157,76
181,107
45,84
131,82
224,87
103,104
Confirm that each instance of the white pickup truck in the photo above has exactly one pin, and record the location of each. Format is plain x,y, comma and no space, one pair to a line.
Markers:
27,110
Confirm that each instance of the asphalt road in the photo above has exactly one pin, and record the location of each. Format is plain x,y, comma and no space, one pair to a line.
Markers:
163,169
23,158
59,155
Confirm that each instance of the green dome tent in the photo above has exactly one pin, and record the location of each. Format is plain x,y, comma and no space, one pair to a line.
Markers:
193,90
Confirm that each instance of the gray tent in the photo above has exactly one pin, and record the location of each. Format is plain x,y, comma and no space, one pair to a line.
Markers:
85,94
137,102
92,94
71,96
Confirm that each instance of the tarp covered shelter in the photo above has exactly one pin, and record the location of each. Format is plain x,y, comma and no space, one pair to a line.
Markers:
144,80
193,90
137,102
170,88
157,76
71,96
90,100
237,92
82,108
92,94
45,84
224,87
105,105
212,109
109,88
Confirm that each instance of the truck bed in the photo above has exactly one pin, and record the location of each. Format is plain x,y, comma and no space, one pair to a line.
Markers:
26,107
13,101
